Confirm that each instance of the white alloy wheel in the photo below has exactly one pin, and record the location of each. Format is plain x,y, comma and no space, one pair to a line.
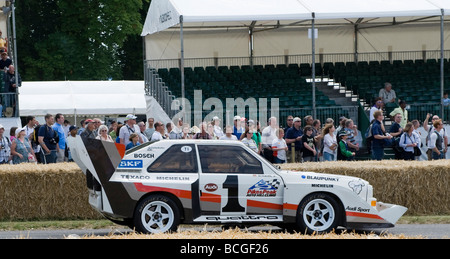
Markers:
157,217
319,215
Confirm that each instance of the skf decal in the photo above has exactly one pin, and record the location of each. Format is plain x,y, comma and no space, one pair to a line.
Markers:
131,164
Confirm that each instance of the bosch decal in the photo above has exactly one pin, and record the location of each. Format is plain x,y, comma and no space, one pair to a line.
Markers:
144,155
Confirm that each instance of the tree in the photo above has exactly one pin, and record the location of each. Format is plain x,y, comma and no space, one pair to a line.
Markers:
75,40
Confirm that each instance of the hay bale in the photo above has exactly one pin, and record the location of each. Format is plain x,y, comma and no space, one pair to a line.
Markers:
30,191
58,191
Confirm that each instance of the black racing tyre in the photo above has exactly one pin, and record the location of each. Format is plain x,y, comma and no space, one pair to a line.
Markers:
318,213
156,214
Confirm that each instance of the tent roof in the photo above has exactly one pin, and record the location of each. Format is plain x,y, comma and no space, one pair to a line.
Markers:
82,97
164,14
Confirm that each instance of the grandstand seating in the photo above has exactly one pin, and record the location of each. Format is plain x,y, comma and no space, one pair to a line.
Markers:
281,81
416,81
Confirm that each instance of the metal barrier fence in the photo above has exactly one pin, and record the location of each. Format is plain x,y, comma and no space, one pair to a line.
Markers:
154,86
419,111
323,113
8,105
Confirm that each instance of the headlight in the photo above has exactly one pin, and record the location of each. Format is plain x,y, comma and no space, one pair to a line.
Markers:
370,199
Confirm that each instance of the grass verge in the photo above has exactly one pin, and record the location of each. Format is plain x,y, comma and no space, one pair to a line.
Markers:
102,224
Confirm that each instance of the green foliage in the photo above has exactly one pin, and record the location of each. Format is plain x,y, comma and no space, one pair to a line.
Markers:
78,39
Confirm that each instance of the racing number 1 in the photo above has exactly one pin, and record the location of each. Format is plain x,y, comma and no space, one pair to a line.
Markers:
232,184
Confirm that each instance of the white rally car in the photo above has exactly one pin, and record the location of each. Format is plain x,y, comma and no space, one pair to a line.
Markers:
156,186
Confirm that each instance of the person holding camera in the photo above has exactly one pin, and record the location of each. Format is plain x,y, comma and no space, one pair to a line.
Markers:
48,139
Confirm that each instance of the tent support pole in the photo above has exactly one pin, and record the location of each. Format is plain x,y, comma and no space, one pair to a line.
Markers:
313,65
250,31
356,43
182,66
442,65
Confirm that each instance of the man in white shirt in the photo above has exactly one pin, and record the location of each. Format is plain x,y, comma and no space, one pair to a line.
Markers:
159,132
268,135
228,134
378,106
129,128
429,129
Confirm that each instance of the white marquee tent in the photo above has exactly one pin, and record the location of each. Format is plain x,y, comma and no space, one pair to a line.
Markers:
221,28
180,29
88,99
82,98
164,14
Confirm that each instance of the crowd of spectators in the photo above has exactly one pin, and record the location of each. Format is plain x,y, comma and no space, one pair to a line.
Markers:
49,143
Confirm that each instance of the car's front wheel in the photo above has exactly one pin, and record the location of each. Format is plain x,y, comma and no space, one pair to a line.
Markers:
318,213
156,214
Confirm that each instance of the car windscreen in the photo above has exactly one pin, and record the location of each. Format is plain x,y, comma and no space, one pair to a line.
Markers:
228,160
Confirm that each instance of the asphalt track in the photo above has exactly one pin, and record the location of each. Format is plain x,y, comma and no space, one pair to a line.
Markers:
430,231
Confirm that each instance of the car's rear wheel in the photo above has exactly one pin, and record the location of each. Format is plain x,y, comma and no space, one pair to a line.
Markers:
318,213
156,214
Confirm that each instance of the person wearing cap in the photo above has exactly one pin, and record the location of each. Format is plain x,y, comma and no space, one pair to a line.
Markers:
294,135
21,148
30,129
343,150
129,128
47,140
430,129
237,129
89,131
5,61
5,147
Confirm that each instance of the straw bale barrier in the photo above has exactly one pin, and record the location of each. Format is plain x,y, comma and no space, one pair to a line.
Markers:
30,191
58,191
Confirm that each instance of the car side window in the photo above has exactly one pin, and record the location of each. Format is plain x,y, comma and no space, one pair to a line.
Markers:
228,160
177,159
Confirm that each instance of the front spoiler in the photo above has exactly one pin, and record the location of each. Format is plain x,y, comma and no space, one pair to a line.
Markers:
387,216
